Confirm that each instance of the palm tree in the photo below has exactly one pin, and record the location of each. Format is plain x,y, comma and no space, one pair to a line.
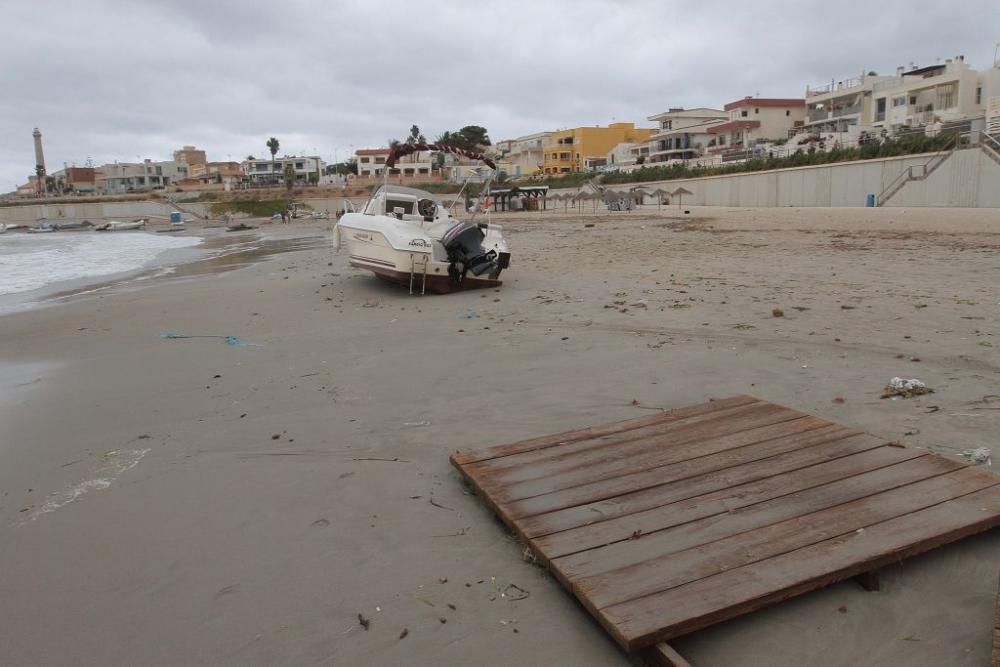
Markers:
272,145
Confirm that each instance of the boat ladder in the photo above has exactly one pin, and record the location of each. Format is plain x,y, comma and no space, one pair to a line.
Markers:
414,267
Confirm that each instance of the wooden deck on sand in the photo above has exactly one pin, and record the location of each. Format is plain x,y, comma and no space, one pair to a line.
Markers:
667,524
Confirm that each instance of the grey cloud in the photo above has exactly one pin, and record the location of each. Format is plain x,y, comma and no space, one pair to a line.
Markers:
113,80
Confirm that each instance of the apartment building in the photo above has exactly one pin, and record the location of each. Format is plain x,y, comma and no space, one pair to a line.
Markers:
682,134
371,163
264,171
947,92
754,120
919,96
122,177
571,150
842,106
527,154
81,180
190,155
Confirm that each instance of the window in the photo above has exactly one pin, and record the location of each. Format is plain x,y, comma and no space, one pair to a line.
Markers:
666,124
899,101
913,99
744,113
380,160
756,110
392,204
564,156
788,112
979,95
298,165
261,167
880,109
365,160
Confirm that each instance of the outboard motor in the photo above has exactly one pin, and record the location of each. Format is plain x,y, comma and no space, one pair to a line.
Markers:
463,242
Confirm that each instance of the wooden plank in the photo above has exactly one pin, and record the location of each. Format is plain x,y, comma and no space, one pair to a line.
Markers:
663,655
729,500
606,499
694,446
594,459
465,457
690,534
705,559
996,634
673,429
870,581
642,622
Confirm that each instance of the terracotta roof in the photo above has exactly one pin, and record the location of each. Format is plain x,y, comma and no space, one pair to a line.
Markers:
765,102
372,151
733,125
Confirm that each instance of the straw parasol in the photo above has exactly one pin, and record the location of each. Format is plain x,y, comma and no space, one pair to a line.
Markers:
680,192
659,194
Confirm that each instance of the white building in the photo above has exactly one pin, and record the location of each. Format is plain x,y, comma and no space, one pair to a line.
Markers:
921,96
371,163
683,134
526,154
756,120
122,177
265,171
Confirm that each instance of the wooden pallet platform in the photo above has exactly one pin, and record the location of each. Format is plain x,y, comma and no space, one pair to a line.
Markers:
667,524
996,634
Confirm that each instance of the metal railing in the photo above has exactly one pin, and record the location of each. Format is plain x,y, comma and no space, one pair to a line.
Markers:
919,172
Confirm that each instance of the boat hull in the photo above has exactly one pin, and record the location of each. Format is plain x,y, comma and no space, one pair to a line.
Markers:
437,283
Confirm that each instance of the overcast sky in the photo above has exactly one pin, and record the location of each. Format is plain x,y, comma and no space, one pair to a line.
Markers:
123,80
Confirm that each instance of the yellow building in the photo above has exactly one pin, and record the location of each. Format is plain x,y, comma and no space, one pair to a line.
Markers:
569,150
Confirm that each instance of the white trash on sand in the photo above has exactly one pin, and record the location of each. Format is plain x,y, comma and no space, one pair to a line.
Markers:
906,388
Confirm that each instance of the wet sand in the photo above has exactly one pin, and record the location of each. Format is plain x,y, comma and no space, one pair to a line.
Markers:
186,501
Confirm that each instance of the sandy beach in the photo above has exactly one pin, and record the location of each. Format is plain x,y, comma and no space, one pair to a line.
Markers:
170,501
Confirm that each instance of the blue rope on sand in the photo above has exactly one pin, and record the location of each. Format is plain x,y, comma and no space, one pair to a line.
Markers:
230,340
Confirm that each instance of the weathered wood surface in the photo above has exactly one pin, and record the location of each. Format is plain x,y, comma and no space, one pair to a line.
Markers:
676,521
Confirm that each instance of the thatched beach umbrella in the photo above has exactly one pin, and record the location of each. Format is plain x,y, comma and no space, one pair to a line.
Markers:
680,192
659,193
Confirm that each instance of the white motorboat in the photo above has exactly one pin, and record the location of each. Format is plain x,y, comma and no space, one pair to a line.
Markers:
115,226
407,236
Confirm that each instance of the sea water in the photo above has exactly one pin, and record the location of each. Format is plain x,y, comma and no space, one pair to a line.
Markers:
33,261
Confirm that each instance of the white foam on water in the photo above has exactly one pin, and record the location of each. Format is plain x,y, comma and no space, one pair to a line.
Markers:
114,464
32,261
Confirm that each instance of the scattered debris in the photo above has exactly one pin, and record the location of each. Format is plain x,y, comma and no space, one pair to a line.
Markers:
978,456
403,633
443,580
931,409
276,436
589,224
364,621
443,620
842,609
437,504
839,400
416,424
905,388
777,312
375,458
230,340
636,534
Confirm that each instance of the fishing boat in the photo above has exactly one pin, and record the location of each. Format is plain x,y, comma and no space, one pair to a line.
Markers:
407,236
115,226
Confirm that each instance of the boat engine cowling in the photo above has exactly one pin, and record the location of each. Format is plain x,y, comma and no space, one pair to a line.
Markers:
464,245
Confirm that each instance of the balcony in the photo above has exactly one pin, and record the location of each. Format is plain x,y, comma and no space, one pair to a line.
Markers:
837,87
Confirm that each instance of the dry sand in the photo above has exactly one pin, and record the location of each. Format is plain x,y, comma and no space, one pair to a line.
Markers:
149,515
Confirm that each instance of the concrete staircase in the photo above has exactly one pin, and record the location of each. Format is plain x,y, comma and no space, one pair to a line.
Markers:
915,173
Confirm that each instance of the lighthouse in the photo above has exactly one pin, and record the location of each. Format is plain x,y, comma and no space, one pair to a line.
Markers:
39,161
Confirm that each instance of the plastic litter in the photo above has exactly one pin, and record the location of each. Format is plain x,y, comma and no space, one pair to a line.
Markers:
978,456
905,388
229,340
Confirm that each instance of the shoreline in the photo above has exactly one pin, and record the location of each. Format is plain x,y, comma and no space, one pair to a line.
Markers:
287,485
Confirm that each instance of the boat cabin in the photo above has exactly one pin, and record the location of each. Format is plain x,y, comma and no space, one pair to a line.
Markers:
402,203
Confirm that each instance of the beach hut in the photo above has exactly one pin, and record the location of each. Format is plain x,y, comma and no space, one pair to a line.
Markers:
680,192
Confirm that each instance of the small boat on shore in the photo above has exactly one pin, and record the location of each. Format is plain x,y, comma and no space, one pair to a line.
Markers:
407,236
115,226
12,228
42,228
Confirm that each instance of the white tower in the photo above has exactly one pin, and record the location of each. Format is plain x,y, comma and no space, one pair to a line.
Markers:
39,160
